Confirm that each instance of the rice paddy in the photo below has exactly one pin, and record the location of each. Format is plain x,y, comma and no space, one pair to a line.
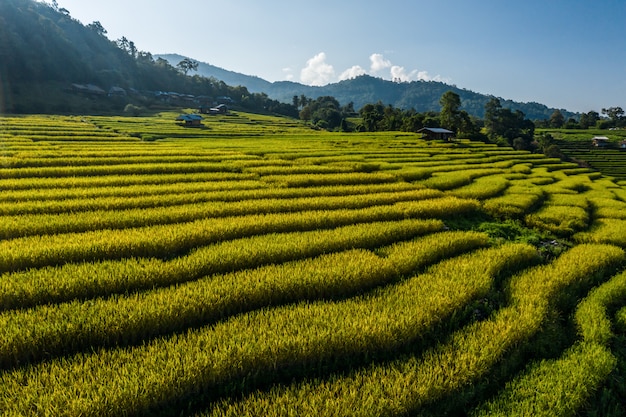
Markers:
258,267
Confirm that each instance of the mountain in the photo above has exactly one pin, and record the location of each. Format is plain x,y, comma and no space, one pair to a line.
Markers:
252,83
422,96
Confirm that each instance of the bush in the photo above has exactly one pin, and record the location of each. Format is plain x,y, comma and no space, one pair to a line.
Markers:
133,110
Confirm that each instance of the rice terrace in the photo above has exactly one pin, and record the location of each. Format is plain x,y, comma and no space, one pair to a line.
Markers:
258,267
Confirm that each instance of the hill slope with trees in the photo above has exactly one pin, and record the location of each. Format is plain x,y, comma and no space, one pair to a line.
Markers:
52,63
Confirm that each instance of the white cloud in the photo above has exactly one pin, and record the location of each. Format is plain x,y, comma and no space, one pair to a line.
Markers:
378,62
425,76
399,74
352,72
288,73
317,71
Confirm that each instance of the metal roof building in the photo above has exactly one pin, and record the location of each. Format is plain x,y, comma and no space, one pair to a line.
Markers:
436,133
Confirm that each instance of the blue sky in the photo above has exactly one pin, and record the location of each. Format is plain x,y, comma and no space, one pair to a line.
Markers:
562,53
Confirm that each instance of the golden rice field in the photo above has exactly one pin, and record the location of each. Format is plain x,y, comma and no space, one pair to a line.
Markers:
256,267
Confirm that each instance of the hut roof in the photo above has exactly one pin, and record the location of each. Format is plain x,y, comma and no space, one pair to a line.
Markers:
435,130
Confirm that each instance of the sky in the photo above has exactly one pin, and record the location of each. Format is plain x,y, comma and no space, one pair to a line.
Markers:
566,54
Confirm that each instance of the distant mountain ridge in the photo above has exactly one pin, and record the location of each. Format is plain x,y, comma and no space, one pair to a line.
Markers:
252,83
422,96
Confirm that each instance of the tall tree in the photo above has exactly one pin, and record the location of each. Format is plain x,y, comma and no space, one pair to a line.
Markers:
557,120
187,65
616,114
127,46
508,126
304,101
588,120
372,116
450,115
98,28
492,118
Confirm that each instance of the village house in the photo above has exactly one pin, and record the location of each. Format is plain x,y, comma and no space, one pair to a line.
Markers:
600,141
190,120
219,109
436,133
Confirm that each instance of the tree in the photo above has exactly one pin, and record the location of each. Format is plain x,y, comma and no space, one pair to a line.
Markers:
305,114
467,128
557,120
187,65
325,111
372,116
450,116
145,57
127,46
492,120
348,108
588,120
508,126
98,28
392,118
616,114
304,101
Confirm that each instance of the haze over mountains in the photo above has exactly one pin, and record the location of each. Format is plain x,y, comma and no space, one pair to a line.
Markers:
44,51
420,95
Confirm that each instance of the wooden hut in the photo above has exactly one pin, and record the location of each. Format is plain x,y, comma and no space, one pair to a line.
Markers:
600,141
436,133
190,120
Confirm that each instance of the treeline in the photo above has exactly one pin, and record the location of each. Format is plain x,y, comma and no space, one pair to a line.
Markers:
500,125
613,117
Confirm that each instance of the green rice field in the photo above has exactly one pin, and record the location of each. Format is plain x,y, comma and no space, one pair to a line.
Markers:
577,145
257,267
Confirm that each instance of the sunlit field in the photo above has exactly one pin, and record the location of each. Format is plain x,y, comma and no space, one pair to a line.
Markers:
257,267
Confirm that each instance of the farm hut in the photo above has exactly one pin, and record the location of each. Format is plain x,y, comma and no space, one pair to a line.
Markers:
219,109
190,120
600,141
436,133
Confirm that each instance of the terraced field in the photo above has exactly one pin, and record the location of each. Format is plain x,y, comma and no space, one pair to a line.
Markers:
611,161
257,267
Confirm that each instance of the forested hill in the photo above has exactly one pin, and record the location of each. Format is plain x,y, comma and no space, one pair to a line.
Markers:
52,63
43,51
420,95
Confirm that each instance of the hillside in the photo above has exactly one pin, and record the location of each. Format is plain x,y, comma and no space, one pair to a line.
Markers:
51,63
422,96
254,267
44,51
